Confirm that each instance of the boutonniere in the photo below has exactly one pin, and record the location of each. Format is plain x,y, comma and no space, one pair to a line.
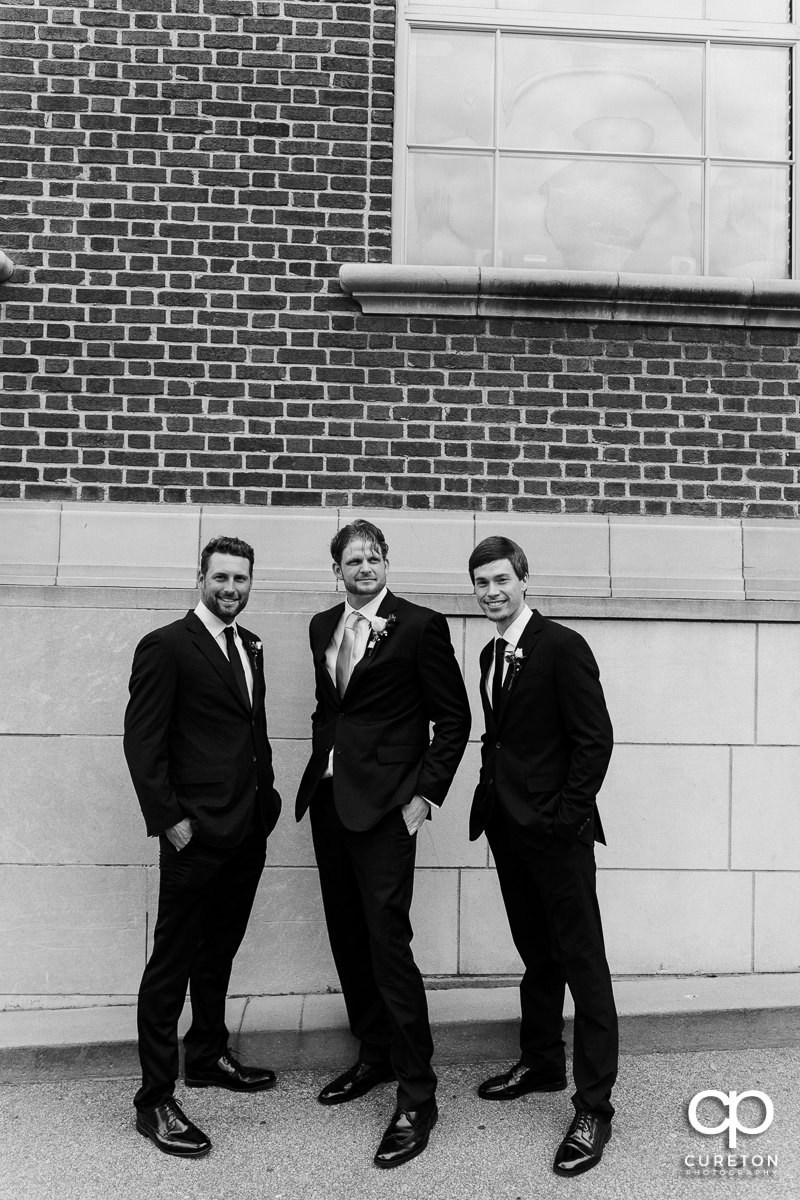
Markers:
254,648
380,627
515,658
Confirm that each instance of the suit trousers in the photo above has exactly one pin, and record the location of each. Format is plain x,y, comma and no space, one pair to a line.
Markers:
367,882
204,903
549,891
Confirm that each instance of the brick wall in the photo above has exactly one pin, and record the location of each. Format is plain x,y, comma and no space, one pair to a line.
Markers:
182,182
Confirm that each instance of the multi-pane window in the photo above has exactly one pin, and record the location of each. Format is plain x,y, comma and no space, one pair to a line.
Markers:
597,135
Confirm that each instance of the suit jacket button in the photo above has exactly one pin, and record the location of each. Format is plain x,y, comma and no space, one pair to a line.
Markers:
254,758
497,745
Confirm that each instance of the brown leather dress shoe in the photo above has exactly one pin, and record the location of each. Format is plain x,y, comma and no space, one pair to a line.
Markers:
170,1129
518,1082
406,1137
355,1082
228,1073
582,1147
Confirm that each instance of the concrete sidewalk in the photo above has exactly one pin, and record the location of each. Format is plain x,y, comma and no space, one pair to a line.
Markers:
75,1139
470,1024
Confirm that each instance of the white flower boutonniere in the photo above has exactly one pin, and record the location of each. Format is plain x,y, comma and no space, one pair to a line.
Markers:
515,658
380,627
254,648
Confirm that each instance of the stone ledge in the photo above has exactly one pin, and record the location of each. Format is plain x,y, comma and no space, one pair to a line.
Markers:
450,604
577,295
575,559
469,1023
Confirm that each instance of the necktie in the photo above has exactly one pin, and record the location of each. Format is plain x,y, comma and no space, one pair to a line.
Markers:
497,681
236,664
344,659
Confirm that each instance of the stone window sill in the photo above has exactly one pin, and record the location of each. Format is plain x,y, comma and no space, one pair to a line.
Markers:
581,295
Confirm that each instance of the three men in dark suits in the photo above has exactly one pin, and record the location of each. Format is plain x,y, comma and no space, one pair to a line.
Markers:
201,764
385,670
545,753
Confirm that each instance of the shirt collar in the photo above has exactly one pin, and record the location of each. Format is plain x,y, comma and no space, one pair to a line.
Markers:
369,610
211,621
514,631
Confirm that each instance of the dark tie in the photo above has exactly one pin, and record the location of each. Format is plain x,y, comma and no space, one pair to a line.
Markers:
344,659
497,682
236,664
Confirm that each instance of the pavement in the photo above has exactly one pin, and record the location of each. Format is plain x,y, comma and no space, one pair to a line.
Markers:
75,1140
67,1131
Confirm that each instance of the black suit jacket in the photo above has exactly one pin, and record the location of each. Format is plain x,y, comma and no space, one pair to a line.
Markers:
380,730
192,746
546,751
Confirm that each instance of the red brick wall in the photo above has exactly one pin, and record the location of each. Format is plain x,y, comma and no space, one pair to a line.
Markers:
182,180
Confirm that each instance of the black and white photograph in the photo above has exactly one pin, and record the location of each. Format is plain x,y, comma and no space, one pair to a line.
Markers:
399,599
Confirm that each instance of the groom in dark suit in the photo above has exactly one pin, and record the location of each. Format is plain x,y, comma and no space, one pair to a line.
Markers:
385,670
545,753
197,749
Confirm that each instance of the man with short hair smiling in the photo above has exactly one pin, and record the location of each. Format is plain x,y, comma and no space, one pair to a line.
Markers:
385,669
201,763
545,753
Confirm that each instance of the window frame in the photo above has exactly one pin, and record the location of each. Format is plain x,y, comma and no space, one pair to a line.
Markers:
411,16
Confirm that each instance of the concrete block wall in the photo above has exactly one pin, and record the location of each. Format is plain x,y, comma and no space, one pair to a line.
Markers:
702,869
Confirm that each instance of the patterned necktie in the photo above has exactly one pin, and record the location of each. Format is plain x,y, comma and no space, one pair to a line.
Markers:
344,659
236,665
497,681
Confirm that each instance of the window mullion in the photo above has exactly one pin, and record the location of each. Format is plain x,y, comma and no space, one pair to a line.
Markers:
705,198
496,153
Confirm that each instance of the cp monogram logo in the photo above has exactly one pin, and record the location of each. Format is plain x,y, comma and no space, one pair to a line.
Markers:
731,1101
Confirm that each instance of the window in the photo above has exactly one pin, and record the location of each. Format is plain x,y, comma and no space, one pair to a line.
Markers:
536,134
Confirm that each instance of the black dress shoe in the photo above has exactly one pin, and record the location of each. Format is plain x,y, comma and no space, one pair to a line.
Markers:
518,1082
582,1148
406,1137
228,1073
355,1082
172,1131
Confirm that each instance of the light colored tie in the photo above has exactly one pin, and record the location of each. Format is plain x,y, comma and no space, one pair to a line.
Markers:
344,659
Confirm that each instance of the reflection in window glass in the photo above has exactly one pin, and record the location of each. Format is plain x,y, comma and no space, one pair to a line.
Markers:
749,221
449,208
448,3
776,11
600,215
609,8
748,10
750,121
451,88
601,95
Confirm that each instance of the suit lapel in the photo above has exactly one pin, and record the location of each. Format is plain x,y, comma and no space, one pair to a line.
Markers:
255,654
485,659
213,653
386,607
324,629
526,645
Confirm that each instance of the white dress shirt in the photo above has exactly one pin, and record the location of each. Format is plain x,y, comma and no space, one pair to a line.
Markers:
217,628
362,632
511,638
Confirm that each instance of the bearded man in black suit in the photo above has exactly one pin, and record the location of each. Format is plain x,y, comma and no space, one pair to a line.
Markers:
385,670
201,764
545,753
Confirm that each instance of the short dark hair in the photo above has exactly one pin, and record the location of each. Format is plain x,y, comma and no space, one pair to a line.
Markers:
365,530
227,545
492,548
